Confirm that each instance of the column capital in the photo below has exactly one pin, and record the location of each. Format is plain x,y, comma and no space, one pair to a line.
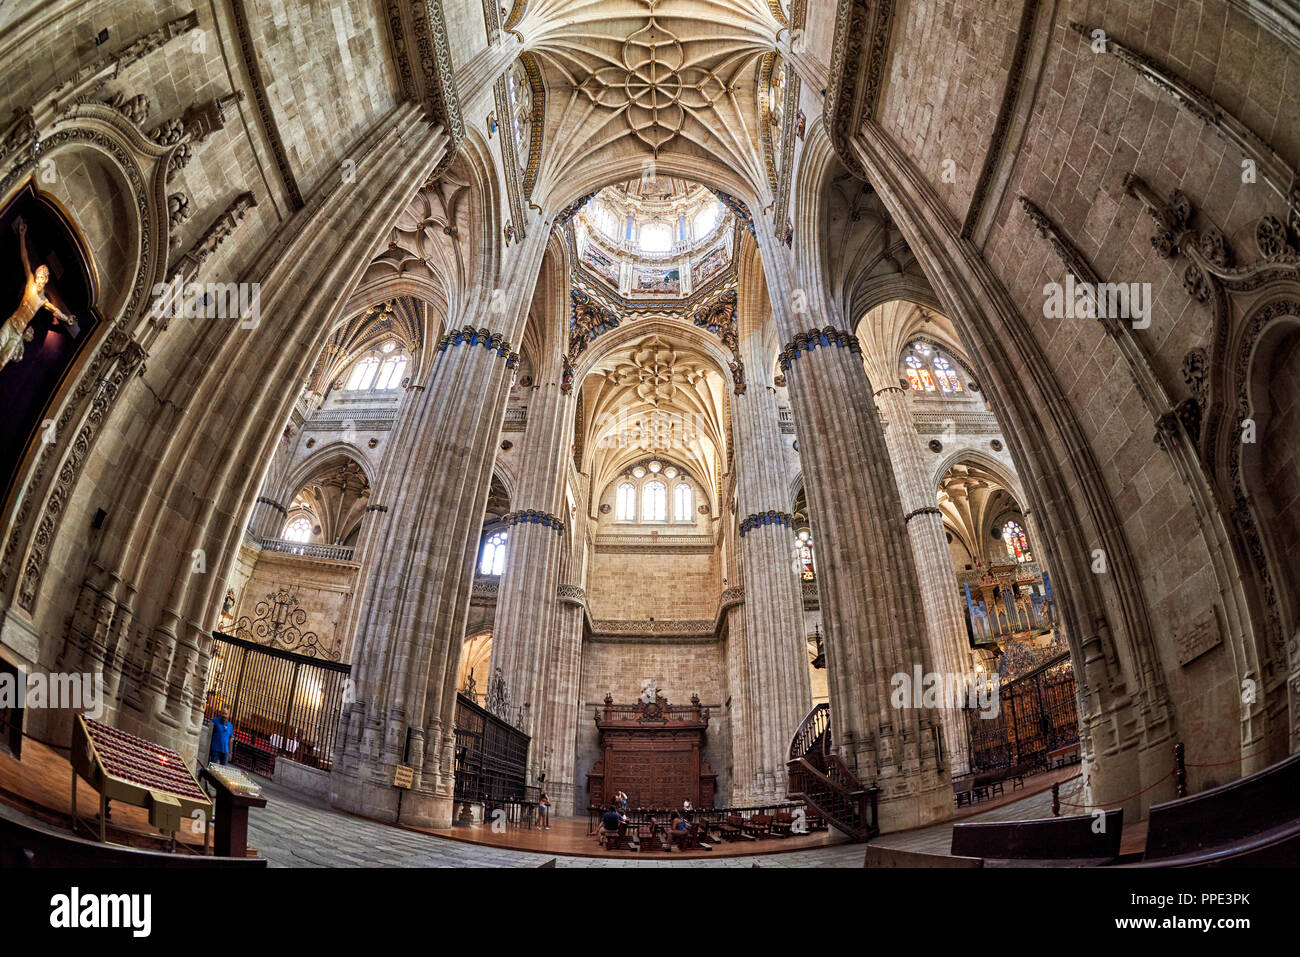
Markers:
534,517
770,517
492,341
812,339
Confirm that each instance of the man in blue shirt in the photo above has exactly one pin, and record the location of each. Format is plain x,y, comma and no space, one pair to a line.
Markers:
222,732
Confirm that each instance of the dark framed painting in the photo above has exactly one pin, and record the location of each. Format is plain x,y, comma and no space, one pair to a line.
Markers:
48,303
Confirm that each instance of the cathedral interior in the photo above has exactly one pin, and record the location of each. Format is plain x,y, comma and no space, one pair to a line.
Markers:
616,431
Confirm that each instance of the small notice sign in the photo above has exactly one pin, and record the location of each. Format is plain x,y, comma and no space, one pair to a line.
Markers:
403,776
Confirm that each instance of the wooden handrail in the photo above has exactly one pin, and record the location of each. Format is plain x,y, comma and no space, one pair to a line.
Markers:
812,727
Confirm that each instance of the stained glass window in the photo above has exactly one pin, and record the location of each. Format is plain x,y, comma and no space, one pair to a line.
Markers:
654,502
626,511
1017,542
299,530
493,560
928,371
914,372
806,571
947,375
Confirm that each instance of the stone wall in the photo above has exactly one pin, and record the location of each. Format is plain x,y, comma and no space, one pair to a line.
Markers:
324,589
679,669
662,583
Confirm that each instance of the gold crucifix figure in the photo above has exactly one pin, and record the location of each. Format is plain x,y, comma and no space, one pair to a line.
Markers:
17,328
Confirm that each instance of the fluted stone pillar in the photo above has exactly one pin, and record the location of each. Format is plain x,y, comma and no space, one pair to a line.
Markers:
537,655
945,619
870,597
775,661
408,641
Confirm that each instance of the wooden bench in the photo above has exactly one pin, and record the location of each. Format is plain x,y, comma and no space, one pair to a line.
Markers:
782,824
1066,754
1052,839
759,826
693,838
733,828
962,792
1253,820
989,783
616,840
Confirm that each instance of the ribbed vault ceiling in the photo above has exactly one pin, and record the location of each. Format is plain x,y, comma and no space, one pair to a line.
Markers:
660,75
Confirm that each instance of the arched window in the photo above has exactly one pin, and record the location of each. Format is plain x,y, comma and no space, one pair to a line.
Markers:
493,559
705,220
654,502
299,530
390,373
626,511
928,371
363,374
656,237
683,502
946,375
803,553
1017,543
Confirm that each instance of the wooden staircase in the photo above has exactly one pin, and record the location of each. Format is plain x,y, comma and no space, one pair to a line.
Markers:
820,778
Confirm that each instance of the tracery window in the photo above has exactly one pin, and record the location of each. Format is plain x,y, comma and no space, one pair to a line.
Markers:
299,530
683,502
521,108
363,374
492,561
1016,541
626,510
654,502
390,373
929,371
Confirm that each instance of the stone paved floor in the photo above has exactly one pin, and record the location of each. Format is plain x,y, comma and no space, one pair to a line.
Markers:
298,831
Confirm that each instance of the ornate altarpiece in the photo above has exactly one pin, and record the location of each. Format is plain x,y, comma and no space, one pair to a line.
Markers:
653,751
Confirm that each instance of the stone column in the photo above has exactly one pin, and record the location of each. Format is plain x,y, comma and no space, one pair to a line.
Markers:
777,694
944,616
408,642
870,597
539,658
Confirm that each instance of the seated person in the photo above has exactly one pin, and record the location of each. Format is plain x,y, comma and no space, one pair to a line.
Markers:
612,822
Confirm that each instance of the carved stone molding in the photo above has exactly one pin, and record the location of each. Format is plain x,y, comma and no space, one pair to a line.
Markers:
492,341
760,519
221,229
509,161
861,46
1006,113
812,339
248,51
572,595
1274,170
534,517
421,38
925,510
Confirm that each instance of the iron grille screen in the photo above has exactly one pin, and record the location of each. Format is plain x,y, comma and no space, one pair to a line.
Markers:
491,757
1038,713
281,704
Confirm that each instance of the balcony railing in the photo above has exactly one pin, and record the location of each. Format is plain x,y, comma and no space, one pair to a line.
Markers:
337,553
